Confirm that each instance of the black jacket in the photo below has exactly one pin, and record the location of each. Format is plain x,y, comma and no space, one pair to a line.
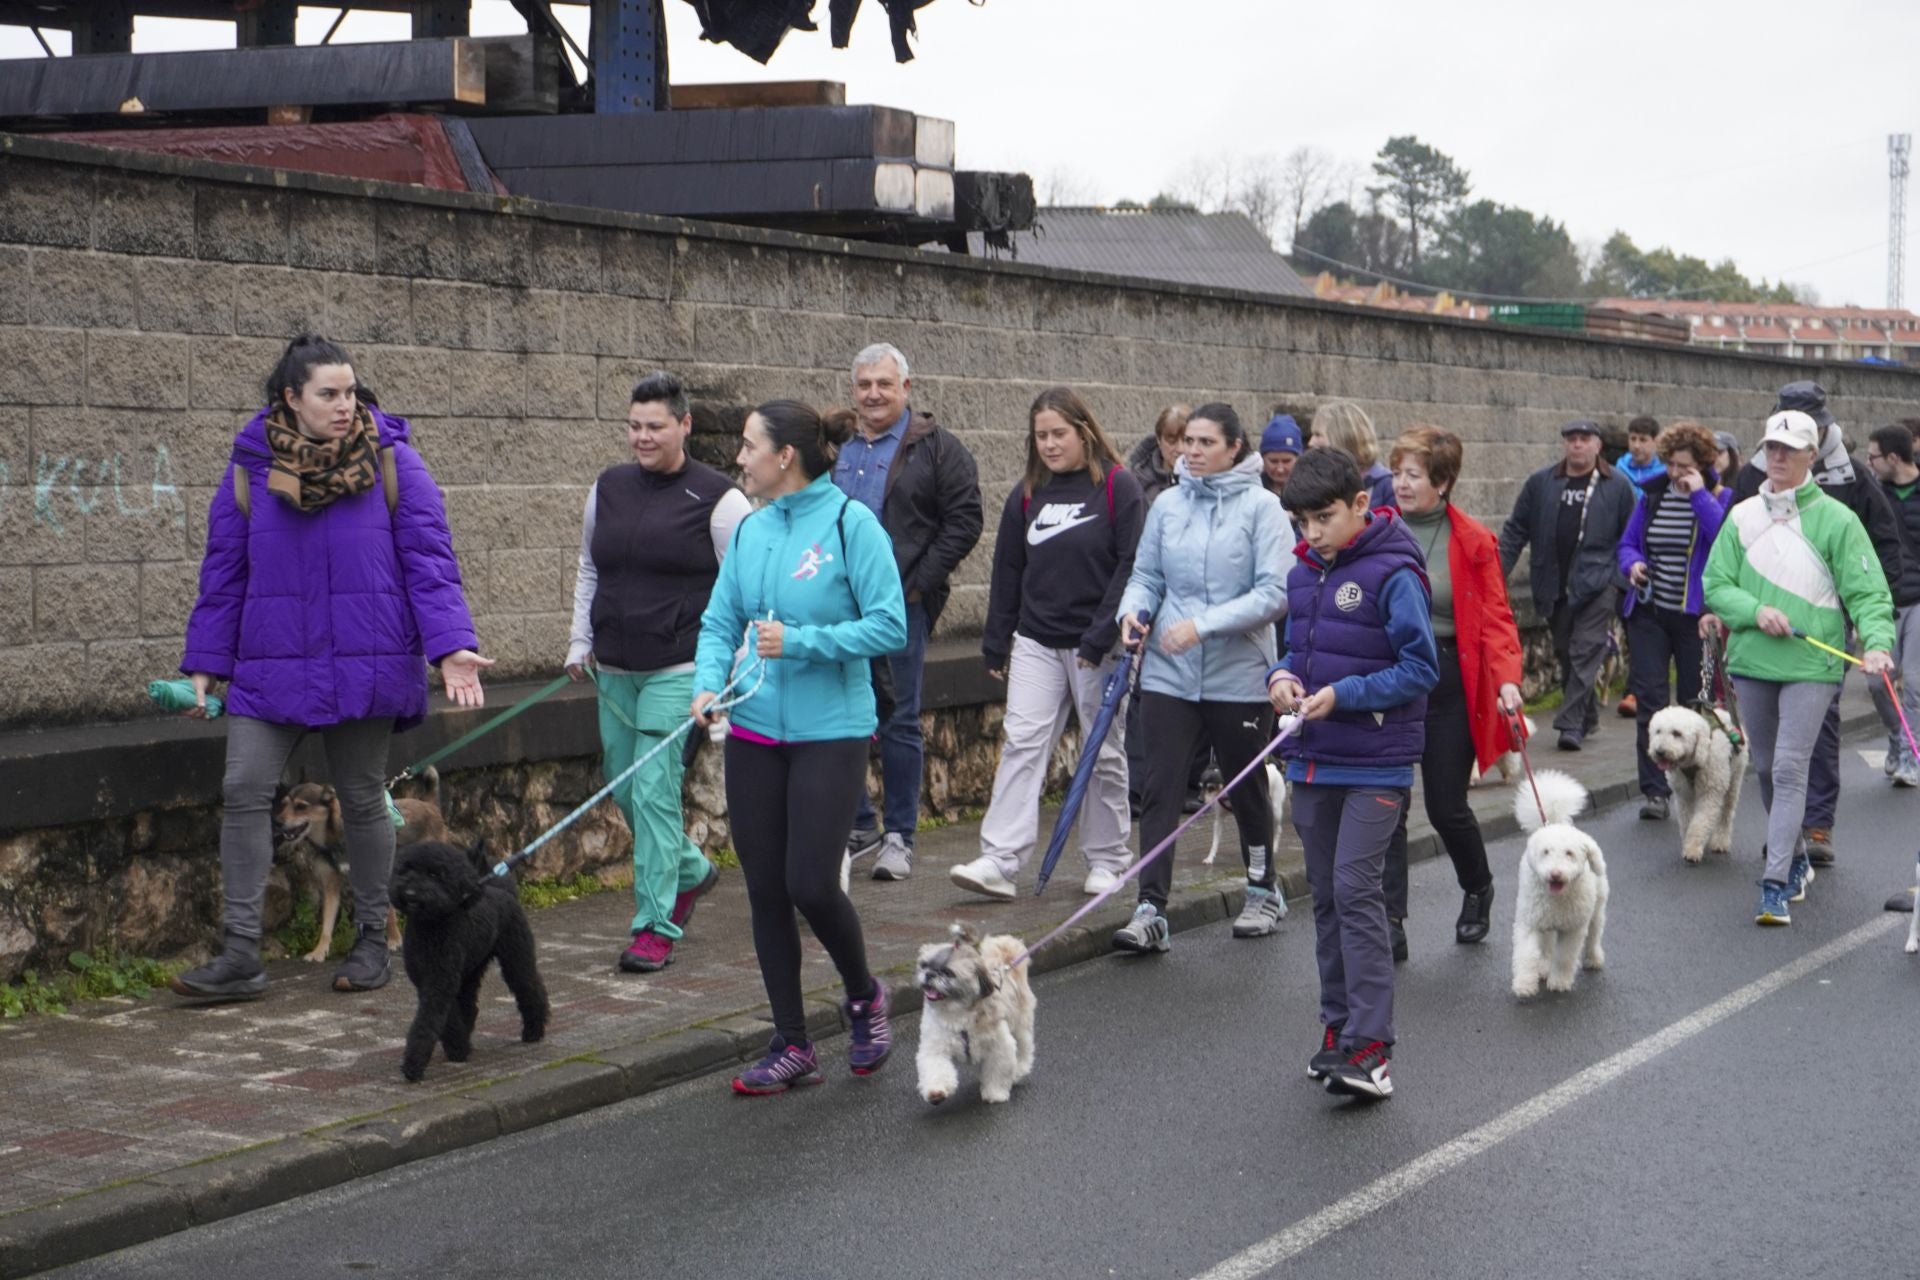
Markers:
1864,497
1061,563
931,510
1535,522
1154,475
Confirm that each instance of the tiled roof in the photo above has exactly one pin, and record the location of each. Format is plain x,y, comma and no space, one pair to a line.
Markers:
1221,249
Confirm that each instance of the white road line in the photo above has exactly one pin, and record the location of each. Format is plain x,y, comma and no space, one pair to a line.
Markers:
1303,1235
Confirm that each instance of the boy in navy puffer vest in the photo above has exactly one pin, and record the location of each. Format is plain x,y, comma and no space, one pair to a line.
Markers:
1360,661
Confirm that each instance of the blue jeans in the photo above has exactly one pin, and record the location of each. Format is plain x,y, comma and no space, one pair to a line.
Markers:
902,750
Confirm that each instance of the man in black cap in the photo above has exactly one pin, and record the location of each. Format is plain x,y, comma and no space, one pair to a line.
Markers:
1838,477
1572,514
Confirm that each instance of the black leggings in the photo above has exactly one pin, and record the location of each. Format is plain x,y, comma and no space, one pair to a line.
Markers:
791,806
1236,731
1446,767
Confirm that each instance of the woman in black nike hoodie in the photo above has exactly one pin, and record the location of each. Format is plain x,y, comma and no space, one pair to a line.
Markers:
1060,564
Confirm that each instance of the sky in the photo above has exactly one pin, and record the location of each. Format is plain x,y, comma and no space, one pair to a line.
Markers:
1749,129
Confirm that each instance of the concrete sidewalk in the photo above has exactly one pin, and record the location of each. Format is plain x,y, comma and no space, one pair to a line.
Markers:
125,1121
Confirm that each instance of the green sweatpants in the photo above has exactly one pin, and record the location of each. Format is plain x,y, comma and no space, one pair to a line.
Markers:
637,711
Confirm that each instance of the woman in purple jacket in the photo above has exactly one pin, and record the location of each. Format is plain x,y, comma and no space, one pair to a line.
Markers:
1662,555
329,577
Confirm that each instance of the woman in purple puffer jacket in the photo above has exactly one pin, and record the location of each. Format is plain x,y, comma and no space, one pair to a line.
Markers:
329,579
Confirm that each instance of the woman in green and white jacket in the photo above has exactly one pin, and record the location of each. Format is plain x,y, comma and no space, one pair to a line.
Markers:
814,575
1792,560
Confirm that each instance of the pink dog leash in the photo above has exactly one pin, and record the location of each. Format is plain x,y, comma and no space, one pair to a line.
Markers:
1288,724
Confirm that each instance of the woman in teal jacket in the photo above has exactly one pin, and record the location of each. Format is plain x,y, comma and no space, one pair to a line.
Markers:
1211,574
811,585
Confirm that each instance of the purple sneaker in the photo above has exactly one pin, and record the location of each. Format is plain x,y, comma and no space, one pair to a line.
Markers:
782,1069
684,903
872,1033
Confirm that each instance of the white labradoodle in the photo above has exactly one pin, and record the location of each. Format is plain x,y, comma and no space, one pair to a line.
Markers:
978,1007
1705,768
1507,766
1561,908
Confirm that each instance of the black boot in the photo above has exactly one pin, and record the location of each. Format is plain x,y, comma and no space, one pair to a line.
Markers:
234,974
366,967
1397,936
1475,912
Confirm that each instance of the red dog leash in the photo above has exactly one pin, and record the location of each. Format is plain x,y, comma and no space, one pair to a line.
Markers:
1518,732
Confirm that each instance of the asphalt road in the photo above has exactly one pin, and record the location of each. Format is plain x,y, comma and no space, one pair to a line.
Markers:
1723,1099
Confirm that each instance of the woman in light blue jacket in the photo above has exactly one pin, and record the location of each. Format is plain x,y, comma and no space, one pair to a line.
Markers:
814,575
1210,574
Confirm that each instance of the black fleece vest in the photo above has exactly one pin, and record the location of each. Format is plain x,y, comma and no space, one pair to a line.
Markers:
653,549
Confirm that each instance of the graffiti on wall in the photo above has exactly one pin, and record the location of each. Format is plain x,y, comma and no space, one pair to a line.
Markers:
108,485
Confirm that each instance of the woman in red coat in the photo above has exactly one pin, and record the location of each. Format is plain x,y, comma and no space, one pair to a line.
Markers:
1479,671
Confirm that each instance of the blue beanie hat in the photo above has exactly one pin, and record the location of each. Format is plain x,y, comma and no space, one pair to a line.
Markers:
1281,436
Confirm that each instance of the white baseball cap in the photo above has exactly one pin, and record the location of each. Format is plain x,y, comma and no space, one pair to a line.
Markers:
1793,429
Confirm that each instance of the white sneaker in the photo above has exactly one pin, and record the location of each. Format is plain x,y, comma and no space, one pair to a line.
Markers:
982,876
1099,881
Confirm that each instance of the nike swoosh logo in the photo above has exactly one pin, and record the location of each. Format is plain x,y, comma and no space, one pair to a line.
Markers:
1037,535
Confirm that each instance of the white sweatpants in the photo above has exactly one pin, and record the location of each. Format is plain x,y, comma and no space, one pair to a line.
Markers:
1043,685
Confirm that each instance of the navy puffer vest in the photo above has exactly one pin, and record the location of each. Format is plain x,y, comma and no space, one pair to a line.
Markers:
1336,631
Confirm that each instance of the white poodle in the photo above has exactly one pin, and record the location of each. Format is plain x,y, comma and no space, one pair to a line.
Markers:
1507,766
1561,908
1705,767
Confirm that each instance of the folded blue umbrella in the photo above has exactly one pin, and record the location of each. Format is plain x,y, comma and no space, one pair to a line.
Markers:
1124,676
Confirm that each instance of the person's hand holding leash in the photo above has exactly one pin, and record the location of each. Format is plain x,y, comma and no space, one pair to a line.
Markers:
769,638
1773,622
1876,662
1510,699
1318,706
1711,626
1284,691
701,701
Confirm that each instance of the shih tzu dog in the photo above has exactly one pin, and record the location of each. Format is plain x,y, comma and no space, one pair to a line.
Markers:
978,1007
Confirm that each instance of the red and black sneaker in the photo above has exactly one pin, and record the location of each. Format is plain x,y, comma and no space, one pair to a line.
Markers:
1363,1073
1329,1056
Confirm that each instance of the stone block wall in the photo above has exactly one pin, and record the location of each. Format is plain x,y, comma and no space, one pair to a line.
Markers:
144,298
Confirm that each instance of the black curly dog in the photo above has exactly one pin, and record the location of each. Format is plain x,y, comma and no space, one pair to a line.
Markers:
459,918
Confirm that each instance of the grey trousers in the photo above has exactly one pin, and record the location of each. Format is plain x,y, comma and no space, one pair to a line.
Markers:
1344,832
1580,644
1782,723
257,752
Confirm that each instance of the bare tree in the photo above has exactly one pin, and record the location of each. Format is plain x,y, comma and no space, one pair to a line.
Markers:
1065,186
1259,194
1205,182
1304,183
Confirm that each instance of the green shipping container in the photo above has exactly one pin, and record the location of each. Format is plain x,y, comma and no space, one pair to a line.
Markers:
1541,315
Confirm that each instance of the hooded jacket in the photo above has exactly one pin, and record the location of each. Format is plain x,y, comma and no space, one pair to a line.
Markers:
818,562
1856,489
1535,522
318,618
1214,549
931,510
1806,555
1150,469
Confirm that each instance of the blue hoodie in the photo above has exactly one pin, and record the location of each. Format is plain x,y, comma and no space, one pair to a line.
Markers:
822,565
1215,549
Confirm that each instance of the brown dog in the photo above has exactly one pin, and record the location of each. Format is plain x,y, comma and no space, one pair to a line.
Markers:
308,831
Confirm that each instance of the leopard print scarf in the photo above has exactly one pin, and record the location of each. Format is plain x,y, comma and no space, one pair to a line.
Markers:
310,474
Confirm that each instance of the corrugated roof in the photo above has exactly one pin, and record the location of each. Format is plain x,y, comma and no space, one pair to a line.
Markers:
1221,249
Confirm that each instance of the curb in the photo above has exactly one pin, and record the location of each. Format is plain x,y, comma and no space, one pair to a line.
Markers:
98,1222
